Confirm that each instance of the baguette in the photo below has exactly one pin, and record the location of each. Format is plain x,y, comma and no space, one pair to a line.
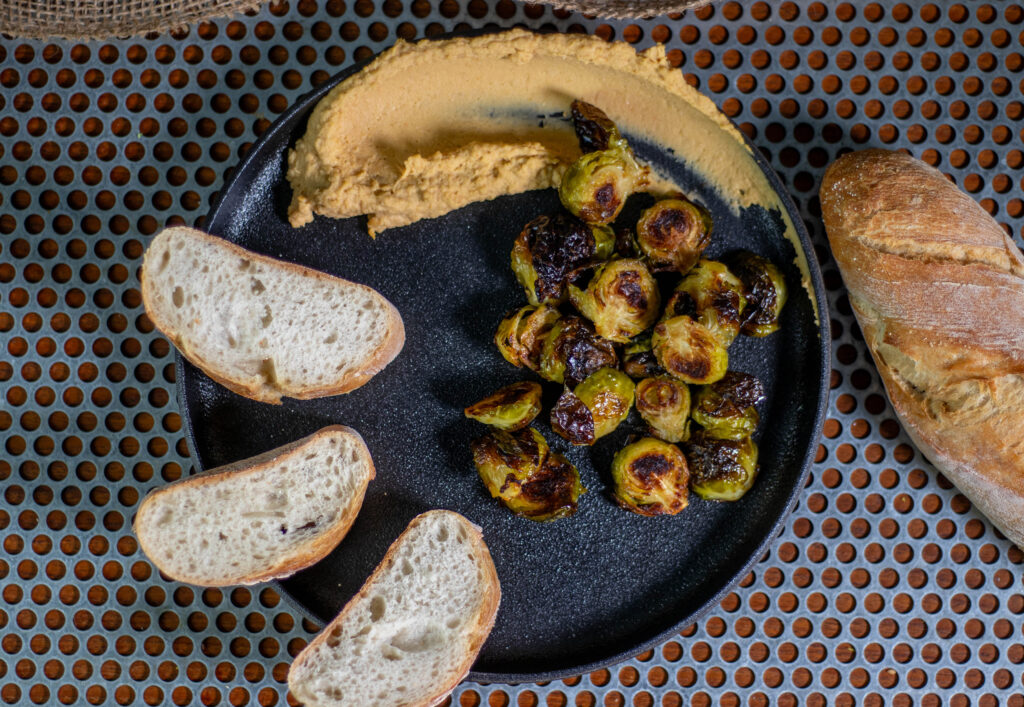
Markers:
938,290
412,632
261,327
261,518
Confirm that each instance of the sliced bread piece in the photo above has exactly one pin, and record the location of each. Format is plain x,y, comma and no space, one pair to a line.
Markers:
262,327
412,632
260,518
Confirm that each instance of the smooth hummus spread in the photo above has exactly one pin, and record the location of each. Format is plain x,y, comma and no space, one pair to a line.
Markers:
429,127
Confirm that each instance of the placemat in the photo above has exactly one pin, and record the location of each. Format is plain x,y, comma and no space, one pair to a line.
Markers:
885,588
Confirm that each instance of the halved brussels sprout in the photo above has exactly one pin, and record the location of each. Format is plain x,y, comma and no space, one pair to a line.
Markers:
638,360
689,351
650,478
518,470
608,394
572,419
622,299
713,296
673,233
572,352
551,493
551,250
596,186
726,407
664,404
721,469
765,290
506,338
533,330
510,408
594,129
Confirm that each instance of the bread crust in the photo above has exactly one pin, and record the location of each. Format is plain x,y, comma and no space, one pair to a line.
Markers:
257,388
314,550
937,287
481,629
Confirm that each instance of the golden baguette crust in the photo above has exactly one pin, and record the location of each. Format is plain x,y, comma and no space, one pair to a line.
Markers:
938,290
314,550
486,613
258,387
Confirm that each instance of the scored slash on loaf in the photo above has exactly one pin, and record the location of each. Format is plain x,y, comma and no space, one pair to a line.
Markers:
938,290
261,327
261,518
412,632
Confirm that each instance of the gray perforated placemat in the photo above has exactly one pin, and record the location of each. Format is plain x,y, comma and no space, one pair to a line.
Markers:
885,588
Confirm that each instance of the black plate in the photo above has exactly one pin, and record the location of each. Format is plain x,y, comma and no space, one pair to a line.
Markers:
578,593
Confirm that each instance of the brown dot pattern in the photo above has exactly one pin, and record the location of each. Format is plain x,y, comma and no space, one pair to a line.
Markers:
885,588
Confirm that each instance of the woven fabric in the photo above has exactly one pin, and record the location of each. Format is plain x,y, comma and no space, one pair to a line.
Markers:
101,19
623,9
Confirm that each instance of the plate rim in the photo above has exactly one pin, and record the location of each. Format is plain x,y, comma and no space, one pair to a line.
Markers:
307,101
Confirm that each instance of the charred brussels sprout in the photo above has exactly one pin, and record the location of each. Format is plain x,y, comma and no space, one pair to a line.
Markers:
595,131
596,186
650,478
765,290
597,406
689,351
664,404
510,408
622,299
552,250
673,233
713,296
638,360
572,351
507,336
608,394
533,330
721,469
518,470
726,408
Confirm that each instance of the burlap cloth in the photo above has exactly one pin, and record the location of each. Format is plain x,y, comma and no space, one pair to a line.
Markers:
100,19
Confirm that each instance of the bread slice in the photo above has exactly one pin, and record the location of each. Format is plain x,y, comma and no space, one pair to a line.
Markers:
412,632
261,518
265,328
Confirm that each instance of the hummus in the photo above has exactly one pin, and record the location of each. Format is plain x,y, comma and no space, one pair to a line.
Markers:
430,127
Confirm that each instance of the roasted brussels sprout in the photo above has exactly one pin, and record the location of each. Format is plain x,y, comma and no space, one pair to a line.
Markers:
650,478
622,299
552,250
519,470
506,338
510,408
597,406
638,360
664,404
765,290
572,419
713,296
726,408
721,469
595,131
689,351
673,233
572,352
596,186
533,330
608,394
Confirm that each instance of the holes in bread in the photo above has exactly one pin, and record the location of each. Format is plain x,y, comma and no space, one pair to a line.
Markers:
442,534
257,286
377,606
406,568
331,339
178,296
165,260
268,371
267,317
417,639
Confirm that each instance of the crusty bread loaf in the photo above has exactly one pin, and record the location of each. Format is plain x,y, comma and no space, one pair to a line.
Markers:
938,290
414,629
260,518
265,328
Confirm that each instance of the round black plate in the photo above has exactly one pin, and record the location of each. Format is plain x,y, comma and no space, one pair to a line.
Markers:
577,593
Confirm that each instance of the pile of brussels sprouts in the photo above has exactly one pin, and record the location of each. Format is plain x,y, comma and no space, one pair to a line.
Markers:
619,332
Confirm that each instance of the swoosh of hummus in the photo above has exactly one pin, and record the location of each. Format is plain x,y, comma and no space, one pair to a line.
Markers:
431,126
